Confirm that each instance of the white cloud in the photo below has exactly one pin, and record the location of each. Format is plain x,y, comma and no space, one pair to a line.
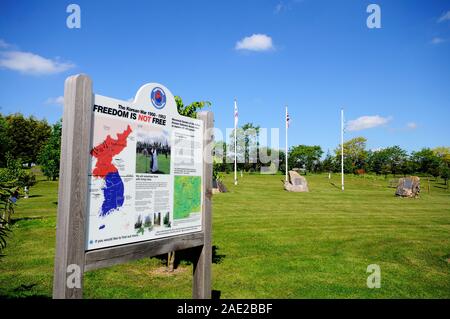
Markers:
59,100
437,40
365,122
4,44
27,62
280,7
256,42
444,17
285,5
411,125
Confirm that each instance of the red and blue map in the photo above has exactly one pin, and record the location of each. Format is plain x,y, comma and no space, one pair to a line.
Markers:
113,190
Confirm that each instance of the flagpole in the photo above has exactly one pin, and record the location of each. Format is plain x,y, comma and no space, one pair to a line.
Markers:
342,148
235,144
286,124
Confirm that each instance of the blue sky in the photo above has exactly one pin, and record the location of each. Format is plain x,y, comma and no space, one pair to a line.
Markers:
314,56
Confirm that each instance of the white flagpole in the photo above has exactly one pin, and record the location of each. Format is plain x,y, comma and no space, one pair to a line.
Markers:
342,148
286,120
235,143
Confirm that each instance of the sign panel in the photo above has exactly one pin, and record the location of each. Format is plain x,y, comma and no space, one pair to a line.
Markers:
146,174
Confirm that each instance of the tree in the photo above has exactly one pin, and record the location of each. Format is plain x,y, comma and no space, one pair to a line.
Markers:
5,140
191,109
282,163
426,162
50,154
396,157
246,147
15,174
20,134
41,132
377,161
328,164
355,154
387,160
445,173
27,136
220,151
443,152
6,210
407,167
251,144
305,156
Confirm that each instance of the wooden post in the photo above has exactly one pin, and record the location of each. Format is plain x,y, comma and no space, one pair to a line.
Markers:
201,288
171,261
73,192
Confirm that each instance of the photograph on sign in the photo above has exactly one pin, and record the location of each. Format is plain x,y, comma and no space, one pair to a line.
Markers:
153,151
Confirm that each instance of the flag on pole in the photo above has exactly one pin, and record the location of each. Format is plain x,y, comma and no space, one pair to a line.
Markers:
235,113
287,119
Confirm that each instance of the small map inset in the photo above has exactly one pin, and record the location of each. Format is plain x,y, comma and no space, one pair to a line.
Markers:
187,196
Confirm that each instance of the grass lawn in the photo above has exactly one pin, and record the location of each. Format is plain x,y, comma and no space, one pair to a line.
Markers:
270,244
143,164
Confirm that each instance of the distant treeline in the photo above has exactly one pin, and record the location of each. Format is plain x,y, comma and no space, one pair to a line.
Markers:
357,159
22,137
30,141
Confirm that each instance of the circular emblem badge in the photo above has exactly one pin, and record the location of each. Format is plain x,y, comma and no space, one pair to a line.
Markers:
158,98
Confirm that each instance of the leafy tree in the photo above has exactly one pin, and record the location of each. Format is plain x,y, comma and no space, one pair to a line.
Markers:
251,143
191,109
282,161
50,154
407,167
5,140
396,157
246,146
305,156
328,164
41,131
4,230
14,173
387,160
355,154
220,151
443,153
445,173
377,161
7,189
426,162
27,136
20,134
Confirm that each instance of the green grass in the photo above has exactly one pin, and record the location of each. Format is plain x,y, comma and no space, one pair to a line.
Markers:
272,244
143,164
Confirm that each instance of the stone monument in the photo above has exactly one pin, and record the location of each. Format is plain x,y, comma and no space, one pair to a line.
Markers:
218,187
296,183
408,187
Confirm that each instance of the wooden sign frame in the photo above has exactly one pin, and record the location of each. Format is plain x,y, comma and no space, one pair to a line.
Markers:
71,258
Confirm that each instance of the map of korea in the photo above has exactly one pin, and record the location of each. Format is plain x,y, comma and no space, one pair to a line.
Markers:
113,191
